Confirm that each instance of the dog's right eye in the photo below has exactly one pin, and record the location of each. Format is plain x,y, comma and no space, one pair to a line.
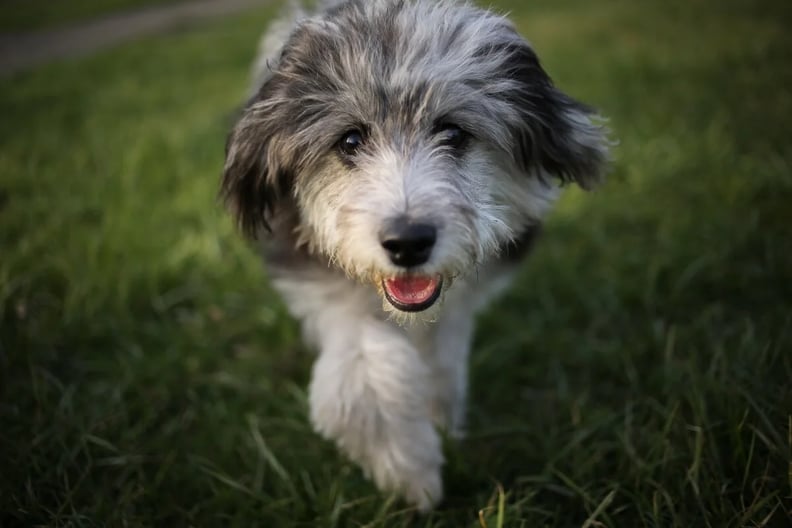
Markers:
351,142
451,135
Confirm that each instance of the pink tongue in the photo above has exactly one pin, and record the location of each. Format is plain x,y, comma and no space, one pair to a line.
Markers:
411,290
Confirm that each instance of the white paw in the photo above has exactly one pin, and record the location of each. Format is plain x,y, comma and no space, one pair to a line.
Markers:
401,457
424,490
408,462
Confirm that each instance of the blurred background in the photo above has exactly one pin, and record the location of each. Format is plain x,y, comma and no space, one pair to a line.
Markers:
638,374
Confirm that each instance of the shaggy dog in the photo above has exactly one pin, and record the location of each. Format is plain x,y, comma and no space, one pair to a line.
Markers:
395,162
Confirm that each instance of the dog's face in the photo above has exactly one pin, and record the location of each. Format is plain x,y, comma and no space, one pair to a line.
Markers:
411,141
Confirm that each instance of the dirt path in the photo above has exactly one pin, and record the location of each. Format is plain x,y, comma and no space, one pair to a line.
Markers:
24,51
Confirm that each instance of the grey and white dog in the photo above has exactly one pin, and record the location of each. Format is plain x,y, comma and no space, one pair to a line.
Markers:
395,161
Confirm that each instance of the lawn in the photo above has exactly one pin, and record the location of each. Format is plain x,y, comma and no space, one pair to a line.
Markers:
638,375
29,15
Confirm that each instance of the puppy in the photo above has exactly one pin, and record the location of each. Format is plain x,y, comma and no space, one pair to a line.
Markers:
395,162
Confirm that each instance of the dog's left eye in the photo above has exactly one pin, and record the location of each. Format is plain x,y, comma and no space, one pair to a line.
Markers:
351,142
451,135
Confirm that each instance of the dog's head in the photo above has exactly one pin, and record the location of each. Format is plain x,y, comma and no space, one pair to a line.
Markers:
411,140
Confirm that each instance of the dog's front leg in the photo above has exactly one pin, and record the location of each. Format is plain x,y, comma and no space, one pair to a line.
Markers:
370,394
450,354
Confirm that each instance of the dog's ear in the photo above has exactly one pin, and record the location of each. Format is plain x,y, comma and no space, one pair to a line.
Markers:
246,186
555,133
254,176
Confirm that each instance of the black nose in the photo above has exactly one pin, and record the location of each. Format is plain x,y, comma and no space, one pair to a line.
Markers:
408,244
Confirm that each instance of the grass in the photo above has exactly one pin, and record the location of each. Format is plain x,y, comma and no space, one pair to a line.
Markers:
638,375
29,15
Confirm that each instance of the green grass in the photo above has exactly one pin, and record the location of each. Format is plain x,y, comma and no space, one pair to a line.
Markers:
28,15
638,375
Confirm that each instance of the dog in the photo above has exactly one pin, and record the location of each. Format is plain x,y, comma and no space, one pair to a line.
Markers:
395,162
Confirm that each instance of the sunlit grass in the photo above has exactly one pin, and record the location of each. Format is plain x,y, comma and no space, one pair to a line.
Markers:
637,375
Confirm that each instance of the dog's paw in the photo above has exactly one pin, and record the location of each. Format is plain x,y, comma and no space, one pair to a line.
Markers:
424,490
409,465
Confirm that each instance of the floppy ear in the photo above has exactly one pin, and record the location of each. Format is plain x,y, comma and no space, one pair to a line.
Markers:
254,176
271,142
246,188
555,132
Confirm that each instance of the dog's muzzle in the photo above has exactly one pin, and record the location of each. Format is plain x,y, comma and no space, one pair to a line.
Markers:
409,245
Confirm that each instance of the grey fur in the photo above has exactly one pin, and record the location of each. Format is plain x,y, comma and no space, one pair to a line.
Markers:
367,63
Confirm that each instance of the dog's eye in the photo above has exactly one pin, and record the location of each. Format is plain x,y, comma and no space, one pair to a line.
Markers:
451,135
351,142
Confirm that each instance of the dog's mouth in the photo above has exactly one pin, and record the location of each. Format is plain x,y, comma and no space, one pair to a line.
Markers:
412,293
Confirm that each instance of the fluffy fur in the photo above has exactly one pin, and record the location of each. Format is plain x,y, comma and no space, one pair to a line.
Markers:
460,129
